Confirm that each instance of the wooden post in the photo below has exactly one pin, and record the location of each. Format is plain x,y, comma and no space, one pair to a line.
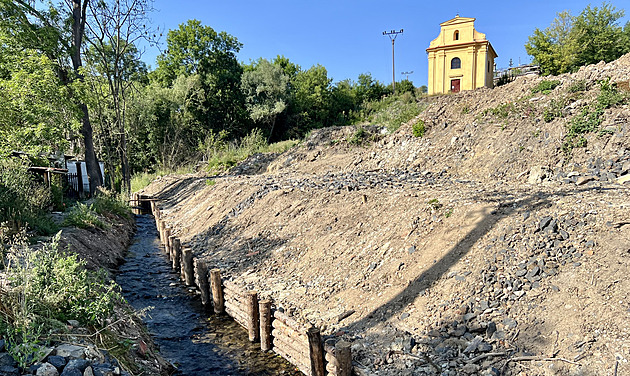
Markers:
217,291
201,275
265,324
167,234
177,254
316,351
344,358
79,179
253,324
187,262
171,247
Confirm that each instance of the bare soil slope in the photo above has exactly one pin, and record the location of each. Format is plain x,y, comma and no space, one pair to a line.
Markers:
481,248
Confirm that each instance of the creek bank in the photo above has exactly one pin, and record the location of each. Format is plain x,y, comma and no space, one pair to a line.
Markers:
79,350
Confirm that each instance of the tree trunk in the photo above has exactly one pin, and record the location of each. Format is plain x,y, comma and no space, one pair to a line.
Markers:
79,9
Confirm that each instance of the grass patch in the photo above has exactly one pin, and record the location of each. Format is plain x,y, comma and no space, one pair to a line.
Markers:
46,288
222,155
392,111
107,202
142,179
419,128
83,216
553,110
545,86
577,87
501,111
590,118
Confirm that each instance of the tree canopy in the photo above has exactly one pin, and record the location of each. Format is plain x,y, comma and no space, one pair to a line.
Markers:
573,41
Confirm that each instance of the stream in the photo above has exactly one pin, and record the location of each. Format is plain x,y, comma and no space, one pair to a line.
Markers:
196,342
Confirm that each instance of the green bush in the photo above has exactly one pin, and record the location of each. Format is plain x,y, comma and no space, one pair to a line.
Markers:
358,137
107,202
418,128
545,86
46,288
577,86
23,200
553,110
83,216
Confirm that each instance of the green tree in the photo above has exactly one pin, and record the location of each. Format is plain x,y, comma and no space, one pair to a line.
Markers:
310,100
194,49
266,92
571,42
57,32
36,114
597,35
552,47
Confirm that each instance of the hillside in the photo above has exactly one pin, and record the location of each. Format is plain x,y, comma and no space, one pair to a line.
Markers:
492,245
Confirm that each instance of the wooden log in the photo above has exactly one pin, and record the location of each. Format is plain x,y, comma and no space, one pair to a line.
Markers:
294,358
282,339
217,291
290,332
187,262
299,355
290,321
238,316
201,278
253,325
343,356
177,254
304,368
237,309
316,352
264,307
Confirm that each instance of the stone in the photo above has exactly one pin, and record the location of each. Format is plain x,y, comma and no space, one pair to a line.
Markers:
584,179
470,368
47,369
536,175
492,327
7,360
58,361
88,372
484,347
80,364
69,371
71,351
544,222
9,371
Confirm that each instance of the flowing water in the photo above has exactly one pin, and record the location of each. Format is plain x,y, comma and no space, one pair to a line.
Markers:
196,342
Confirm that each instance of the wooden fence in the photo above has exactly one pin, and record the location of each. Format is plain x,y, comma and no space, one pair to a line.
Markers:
298,343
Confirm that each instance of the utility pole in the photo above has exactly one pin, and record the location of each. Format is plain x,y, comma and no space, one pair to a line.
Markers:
392,36
406,74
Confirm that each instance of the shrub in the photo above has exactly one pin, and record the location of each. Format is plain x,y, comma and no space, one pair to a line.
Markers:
545,86
107,202
577,86
418,128
23,200
358,137
590,118
553,110
46,288
83,216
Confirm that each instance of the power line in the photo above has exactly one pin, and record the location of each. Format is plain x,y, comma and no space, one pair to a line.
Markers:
392,36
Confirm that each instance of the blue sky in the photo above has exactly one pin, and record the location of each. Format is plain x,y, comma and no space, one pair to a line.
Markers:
346,36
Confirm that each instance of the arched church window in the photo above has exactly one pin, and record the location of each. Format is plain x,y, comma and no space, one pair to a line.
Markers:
456,35
456,63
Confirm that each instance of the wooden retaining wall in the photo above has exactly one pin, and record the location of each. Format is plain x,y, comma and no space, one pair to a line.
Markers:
298,343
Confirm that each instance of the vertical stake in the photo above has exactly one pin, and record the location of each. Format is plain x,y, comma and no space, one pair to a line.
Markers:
316,351
253,325
217,291
265,324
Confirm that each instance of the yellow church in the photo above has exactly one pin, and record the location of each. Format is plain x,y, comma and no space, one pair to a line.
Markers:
460,58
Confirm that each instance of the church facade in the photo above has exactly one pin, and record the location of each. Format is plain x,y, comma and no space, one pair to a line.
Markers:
460,58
